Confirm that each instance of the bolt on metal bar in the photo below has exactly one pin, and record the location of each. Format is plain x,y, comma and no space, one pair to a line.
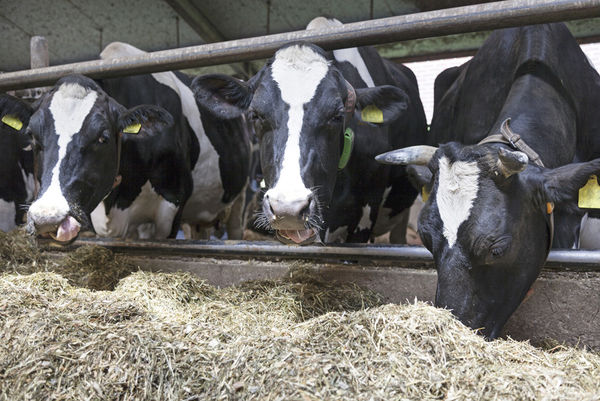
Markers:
501,14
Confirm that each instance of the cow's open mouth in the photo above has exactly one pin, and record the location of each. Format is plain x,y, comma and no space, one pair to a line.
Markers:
66,232
297,237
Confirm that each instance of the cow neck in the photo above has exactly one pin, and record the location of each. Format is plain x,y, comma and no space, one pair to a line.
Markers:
508,137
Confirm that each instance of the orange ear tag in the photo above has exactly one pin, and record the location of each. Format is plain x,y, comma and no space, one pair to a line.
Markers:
549,207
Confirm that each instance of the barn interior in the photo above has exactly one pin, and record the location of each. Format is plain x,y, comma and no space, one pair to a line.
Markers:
563,309
77,30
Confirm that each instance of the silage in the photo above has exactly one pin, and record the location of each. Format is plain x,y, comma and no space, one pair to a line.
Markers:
89,266
174,337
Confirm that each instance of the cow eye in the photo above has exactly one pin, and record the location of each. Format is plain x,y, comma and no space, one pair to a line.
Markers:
103,138
499,248
255,117
259,121
337,118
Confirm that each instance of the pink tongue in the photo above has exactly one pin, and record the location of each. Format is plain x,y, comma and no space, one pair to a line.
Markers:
298,236
68,229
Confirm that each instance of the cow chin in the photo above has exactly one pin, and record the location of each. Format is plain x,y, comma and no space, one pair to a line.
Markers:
297,237
63,233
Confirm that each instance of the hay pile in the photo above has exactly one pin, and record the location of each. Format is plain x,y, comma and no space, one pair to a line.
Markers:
89,266
173,337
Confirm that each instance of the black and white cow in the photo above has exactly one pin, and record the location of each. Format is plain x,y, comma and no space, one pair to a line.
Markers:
211,157
488,220
17,181
75,133
304,102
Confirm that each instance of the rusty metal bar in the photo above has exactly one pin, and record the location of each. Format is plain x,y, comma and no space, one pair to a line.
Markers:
473,18
405,256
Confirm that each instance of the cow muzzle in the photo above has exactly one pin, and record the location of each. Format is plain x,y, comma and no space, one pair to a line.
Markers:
64,232
291,218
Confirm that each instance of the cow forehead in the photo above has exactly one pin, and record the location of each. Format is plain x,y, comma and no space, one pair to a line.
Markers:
298,70
458,184
69,107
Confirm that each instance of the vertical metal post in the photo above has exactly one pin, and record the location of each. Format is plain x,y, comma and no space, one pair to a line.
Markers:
177,29
39,57
38,52
268,17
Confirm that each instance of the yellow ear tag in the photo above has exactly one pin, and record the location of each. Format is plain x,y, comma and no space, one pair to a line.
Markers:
132,128
424,193
371,114
589,194
12,122
549,207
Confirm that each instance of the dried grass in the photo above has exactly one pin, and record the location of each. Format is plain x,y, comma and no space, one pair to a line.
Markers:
89,266
174,337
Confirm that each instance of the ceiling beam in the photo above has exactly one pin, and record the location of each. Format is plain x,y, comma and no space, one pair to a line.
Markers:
208,32
467,44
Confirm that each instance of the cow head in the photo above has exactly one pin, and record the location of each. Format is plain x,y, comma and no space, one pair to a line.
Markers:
300,105
487,223
76,139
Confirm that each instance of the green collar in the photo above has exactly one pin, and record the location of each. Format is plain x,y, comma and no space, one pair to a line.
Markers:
348,145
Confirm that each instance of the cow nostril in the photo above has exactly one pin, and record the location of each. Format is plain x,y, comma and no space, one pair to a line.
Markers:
270,205
305,211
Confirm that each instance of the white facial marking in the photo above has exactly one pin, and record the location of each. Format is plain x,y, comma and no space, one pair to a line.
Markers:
365,219
457,189
298,70
69,107
350,55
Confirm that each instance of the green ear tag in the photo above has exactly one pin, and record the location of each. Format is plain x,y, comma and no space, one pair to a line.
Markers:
12,122
371,114
132,128
348,144
589,194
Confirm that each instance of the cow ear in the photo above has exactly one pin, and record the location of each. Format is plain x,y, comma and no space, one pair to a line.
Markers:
14,112
221,95
143,119
562,185
380,105
420,177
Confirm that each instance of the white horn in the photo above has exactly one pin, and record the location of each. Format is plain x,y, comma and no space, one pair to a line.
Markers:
420,155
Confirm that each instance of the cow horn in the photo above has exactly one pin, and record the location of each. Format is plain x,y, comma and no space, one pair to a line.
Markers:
511,162
420,155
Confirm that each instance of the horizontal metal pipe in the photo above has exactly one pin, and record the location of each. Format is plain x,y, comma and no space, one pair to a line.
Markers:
473,18
407,256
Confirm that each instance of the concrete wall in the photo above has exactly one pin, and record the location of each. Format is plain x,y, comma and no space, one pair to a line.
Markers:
564,306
